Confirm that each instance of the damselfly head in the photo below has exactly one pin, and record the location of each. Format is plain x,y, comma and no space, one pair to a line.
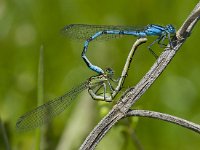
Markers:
109,71
170,29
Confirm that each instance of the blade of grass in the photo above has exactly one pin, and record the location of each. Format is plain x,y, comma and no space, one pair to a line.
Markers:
40,98
5,137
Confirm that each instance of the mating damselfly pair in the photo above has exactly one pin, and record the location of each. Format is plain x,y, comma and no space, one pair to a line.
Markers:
46,112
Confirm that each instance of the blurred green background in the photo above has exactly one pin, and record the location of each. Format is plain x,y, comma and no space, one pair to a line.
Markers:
25,25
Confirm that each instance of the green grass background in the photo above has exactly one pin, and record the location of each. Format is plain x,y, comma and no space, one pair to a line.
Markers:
25,25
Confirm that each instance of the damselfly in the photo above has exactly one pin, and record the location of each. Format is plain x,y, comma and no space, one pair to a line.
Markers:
95,32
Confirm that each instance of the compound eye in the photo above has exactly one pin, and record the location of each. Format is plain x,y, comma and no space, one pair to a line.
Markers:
109,71
170,28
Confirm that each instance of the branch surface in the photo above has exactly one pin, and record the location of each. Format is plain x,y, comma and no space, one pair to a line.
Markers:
165,117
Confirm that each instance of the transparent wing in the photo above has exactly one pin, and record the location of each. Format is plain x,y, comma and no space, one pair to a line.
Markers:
46,112
84,31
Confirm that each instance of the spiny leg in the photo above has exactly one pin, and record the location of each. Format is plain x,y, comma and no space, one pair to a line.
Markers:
170,42
98,96
94,90
161,41
97,90
110,86
104,93
149,47
96,83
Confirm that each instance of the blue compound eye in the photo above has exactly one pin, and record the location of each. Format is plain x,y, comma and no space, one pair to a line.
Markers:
170,29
